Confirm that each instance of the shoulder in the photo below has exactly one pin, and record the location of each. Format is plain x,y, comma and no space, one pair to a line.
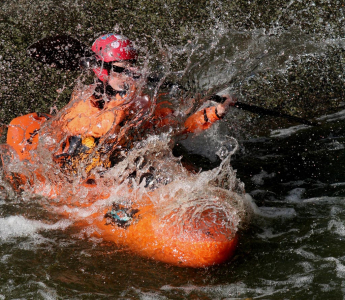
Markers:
82,92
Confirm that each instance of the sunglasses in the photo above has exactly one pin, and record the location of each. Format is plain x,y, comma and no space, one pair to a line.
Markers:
127,72
119,70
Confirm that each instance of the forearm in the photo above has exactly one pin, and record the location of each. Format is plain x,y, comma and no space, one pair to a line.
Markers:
202,119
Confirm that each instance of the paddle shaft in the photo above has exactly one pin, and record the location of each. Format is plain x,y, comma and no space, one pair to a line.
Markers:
263,111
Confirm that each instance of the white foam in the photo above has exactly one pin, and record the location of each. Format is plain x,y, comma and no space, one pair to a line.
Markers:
75,212
338,184
267,212
307,266
151,296
5,258
258,192
276,212
258,179
326,287
19,226
307,254
336,226
268,234
295,195
238,290
335,146
340,268
340,115
287,131
47,293
300,280
323,199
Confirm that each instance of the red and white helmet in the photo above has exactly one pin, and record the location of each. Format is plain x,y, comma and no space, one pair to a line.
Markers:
112,47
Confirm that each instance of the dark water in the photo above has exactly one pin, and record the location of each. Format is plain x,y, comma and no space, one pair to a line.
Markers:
285,56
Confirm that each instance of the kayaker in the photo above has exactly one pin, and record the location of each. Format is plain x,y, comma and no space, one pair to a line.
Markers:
118,78
104,117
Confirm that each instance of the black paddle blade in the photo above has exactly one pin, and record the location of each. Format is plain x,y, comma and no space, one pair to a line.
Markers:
62,51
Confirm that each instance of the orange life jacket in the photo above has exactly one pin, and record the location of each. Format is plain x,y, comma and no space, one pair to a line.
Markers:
83,118
22,133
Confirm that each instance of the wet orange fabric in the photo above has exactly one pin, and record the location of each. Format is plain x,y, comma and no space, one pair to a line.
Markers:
82,117
201,120
86,119
22,134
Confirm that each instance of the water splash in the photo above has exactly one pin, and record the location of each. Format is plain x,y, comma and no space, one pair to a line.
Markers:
146,164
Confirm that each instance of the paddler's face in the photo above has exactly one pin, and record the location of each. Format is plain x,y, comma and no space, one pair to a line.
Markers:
122,76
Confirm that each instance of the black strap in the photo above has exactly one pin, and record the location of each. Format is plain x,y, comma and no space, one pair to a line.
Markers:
40,115
205,116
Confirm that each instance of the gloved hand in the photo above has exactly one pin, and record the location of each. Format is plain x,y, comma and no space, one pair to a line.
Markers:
223,108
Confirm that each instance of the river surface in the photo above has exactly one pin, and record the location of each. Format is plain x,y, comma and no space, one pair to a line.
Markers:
293,248
280,56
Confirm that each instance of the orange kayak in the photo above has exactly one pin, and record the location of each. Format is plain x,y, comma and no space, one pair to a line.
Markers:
175,217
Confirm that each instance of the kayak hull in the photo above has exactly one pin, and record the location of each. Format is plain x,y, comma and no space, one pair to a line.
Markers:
164,231
144,239
210,240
